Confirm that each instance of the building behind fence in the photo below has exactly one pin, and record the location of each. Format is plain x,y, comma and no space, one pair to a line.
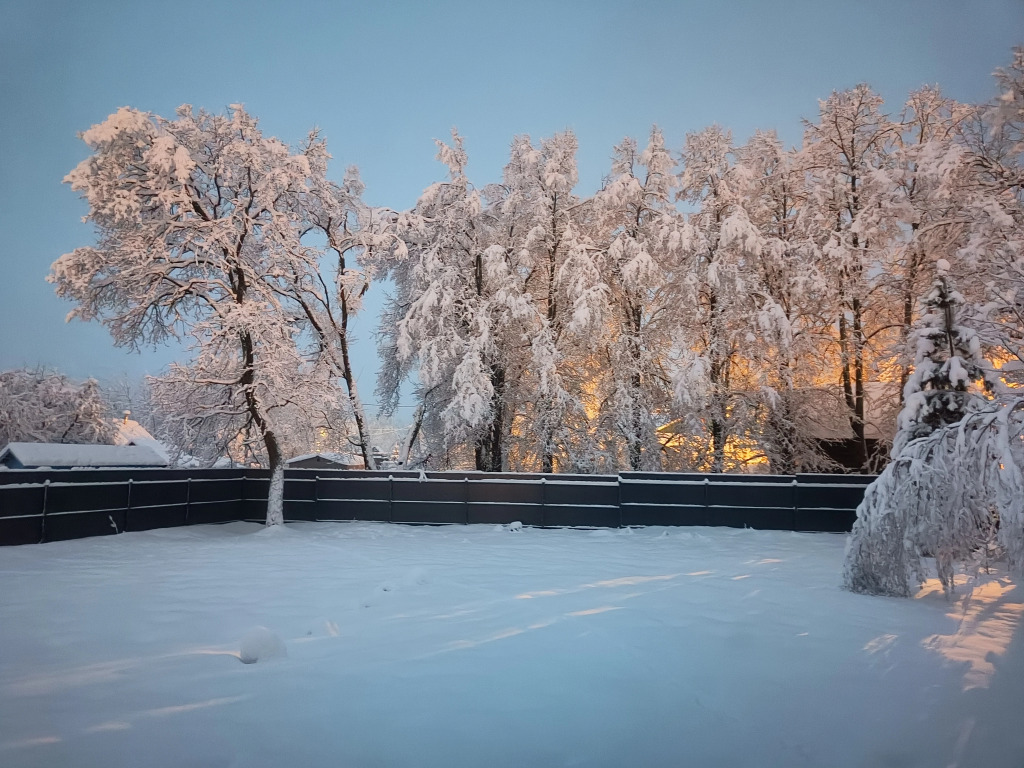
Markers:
54,505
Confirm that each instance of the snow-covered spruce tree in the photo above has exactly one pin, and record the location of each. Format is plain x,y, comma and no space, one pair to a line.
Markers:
40,406
200,223
955,466
947,365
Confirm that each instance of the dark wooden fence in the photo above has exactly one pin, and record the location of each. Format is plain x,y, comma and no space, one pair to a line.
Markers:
53,505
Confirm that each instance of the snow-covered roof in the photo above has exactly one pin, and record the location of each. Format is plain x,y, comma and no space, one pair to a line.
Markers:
63,455
336,458
130,432
828,418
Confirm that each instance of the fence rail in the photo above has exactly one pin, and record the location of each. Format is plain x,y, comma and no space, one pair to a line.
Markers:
54,505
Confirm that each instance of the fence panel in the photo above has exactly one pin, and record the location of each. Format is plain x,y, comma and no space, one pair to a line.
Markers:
352,497
428,501
101,502
21,513
501,501
647,499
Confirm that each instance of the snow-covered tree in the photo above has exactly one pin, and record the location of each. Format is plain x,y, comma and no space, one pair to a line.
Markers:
39,406
949,495
536,218
712,384
455,295
625,296
931,175
994,212
786,290
201,223
947,364
954,483
847,155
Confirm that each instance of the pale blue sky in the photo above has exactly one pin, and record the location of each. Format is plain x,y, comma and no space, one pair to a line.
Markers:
383,79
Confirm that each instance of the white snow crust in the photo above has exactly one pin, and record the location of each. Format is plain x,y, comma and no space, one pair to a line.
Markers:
67,455
465,646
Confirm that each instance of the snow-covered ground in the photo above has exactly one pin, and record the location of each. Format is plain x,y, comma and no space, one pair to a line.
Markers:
378,645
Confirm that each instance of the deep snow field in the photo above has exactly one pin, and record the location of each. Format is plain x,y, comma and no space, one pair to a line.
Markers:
387,645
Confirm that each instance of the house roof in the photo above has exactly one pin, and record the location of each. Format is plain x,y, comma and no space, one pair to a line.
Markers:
64,455
336,458
130,432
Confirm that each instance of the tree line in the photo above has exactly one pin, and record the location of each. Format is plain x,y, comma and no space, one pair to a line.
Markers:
725,305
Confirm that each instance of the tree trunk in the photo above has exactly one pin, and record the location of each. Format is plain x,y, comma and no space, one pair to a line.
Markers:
414,431
275,497
717,445
275,457
489,451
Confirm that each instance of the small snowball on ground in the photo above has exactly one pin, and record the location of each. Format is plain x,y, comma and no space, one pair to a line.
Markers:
260,643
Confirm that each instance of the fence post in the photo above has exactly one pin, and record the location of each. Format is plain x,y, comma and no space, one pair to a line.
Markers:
465,497
707,507
796,492
618,496
543,501
188,496
391,498
128,510
42,528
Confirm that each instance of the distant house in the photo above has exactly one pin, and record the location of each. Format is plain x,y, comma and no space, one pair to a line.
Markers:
828,422
130,432
64,456
326,460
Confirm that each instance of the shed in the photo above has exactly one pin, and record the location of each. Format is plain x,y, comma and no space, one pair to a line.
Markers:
65,456
326,460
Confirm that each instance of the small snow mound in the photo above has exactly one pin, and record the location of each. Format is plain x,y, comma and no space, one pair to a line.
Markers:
515,527
260,644
275,530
